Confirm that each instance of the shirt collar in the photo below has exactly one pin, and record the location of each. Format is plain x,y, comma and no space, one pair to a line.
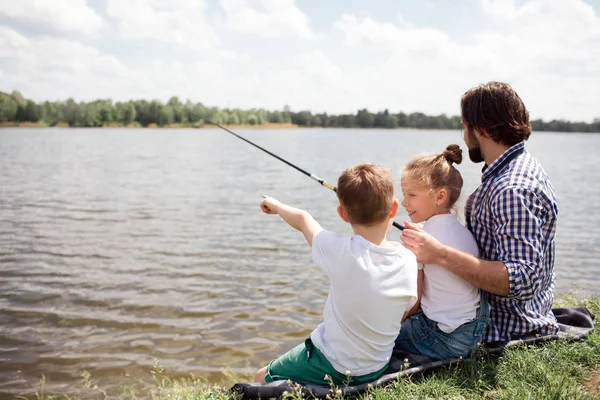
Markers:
451,216
500,162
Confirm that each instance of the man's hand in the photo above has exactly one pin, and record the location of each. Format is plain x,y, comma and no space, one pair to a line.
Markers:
427,248
269,205
491,276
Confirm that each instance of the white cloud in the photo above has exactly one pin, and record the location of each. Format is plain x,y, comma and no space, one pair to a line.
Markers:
55,68
546,48
545,32
539,11
47,68
11,43
56,15
182,22
307,81
552,48
404,37
408,68
277,18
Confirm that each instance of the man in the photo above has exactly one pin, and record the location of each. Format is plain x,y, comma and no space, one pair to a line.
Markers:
512,215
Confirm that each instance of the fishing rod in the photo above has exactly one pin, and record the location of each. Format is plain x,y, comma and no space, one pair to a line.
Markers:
312,176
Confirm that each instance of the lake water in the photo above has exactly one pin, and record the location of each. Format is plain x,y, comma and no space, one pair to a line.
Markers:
120,247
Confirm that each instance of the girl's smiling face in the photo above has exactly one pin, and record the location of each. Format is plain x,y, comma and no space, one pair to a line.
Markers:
419,201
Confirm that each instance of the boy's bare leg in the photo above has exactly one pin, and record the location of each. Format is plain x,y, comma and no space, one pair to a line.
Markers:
260,375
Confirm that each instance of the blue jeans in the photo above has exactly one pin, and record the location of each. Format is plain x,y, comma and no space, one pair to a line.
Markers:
420,335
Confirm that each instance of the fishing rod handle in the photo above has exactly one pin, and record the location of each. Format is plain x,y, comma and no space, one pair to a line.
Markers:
397,225
322,182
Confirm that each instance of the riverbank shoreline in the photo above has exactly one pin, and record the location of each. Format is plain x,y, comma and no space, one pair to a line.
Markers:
282,126
555,369
151,126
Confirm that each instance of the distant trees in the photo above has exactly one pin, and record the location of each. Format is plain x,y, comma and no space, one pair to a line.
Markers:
16,108
365,119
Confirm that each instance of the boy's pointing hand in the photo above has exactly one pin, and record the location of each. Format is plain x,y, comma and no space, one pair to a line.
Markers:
269,205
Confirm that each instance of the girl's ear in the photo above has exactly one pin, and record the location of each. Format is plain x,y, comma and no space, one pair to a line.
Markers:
441,197
342,213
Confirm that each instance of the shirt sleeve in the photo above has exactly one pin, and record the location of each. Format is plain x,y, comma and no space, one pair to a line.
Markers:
324,249
518,220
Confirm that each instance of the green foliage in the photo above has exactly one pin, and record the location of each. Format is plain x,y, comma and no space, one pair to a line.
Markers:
233,119
303,118
8,108
252,119
276,117
127,114
15,108
365,119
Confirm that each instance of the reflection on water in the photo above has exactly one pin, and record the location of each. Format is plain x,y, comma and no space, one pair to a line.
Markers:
119,247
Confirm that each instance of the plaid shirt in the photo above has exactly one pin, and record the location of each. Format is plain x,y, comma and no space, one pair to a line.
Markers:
512,215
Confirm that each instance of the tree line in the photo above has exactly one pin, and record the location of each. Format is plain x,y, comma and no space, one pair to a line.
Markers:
142,113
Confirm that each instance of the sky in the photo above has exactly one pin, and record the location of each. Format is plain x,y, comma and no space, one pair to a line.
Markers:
334,56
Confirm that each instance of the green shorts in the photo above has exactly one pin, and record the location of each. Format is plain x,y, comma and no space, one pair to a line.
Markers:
306,364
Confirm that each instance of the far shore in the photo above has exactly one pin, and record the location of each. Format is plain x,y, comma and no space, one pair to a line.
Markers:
116,125
201,125
9,124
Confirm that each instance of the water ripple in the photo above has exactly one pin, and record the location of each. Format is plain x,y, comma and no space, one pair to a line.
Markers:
121,247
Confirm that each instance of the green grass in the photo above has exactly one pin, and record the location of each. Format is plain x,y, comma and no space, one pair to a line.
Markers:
553,370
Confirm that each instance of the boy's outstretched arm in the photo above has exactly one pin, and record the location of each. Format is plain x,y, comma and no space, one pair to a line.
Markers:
295,217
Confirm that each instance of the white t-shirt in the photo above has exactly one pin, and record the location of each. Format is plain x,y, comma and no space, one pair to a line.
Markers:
446,298
371,287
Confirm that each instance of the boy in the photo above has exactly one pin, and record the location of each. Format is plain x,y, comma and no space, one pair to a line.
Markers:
373,283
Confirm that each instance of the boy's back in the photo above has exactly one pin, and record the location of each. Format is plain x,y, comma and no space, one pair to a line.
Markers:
373,282
371,287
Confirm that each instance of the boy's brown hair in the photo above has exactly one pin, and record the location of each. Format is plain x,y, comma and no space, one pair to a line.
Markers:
366,192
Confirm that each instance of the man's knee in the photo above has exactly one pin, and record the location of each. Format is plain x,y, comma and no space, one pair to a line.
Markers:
260,375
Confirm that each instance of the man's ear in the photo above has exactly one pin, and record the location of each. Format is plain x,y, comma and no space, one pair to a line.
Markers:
342,213
480,134
441,197
394,208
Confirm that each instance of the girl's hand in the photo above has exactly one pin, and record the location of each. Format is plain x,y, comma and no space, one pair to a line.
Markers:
269,205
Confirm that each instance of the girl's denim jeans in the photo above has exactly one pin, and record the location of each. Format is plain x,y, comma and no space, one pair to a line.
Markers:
420,335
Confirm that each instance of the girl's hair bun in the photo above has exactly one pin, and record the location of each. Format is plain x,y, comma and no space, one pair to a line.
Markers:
453,154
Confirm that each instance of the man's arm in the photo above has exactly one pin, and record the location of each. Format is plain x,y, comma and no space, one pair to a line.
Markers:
295,217
524,223
491,276
519,218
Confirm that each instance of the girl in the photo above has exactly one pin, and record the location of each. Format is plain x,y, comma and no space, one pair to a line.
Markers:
454,313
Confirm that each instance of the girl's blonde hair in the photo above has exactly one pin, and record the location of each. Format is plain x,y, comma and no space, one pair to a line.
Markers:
437,172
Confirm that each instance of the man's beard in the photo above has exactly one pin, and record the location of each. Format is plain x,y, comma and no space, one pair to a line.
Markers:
475,154
475,151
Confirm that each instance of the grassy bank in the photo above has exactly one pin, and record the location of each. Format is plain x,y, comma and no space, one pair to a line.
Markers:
554,370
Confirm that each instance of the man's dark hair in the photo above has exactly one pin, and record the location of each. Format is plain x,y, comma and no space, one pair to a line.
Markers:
497,111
